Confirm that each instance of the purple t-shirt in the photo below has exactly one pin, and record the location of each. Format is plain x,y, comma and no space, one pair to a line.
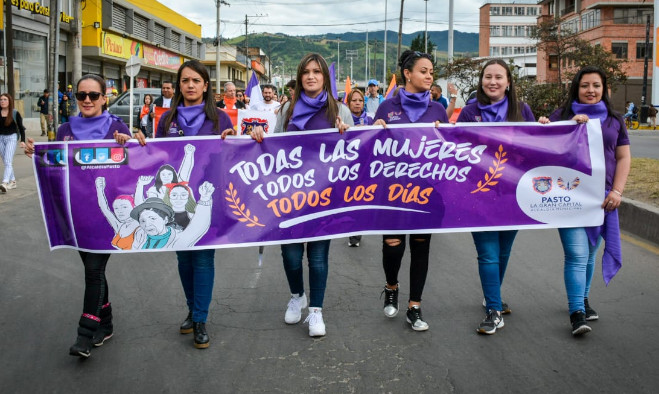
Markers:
391,111
471,113
64,132
614,134
207,128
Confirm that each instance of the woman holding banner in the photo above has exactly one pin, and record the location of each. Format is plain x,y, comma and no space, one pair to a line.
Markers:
312,107
93,123
193,113
412,104
496,101
589,99
355,101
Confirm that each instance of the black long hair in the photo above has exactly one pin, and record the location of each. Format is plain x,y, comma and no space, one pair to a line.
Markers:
408,60
573,94
331,106
514,112
164,167
209,103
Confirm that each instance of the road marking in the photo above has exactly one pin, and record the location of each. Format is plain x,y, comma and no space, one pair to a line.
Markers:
645,245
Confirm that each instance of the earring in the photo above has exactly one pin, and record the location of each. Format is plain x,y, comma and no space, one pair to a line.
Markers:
409,80
507,88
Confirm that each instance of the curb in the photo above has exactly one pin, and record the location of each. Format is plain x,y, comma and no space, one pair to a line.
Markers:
640,219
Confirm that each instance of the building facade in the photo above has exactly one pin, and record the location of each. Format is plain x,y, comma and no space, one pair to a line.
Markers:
619,26
112,31
504,33
234,65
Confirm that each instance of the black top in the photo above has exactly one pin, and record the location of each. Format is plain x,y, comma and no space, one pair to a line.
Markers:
12,129
43,104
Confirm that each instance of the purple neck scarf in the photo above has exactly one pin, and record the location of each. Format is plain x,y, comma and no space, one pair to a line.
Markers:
414,104
305,108
497,112
594,111
95,128
610,231
190,119
361,119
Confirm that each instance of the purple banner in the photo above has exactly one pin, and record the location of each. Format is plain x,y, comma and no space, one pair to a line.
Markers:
203,192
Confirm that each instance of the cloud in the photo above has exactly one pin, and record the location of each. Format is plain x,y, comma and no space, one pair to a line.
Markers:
299,17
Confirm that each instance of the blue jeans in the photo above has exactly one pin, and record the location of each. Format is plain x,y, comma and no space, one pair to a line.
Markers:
197,271
318,256
579,265
493,249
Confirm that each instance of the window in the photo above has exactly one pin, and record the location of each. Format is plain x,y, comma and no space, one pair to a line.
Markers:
529,65
140,26
520,31
519,50
118,17
188,46
176,41
494,51
590,19
519,11
507,31
640,50
531,49
505,51
619,49
553,62
495,11
627,16
159,34
532,11
495,31
506,10
571,25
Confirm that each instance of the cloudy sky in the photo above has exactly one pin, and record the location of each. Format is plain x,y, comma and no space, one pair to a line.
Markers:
299,17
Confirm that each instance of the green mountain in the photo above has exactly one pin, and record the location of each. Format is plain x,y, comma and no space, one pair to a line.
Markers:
286,51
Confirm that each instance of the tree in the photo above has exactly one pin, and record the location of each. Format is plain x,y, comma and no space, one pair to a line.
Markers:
464,72
419,44
585,54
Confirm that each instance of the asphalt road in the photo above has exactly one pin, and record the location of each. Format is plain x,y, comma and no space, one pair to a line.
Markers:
644,143
253,350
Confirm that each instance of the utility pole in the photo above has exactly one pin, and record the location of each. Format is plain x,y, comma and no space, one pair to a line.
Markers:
218,68
384,68
644,93
338,59
247,58
450,31
426,50
351,54
54,62
9,49
76,29
400,29
367,56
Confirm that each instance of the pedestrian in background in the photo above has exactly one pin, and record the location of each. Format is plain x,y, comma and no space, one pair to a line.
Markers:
589,99
42,103
412,104
496,101
11,131
145,121
65,109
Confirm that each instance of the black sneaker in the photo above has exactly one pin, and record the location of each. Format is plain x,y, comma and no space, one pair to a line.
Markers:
201,339
186,326
591,314
505,308
415,318
101,335
390,301
579,325
492,321
82,347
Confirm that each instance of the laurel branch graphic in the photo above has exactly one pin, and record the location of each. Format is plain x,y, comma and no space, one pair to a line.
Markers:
494,172
244,216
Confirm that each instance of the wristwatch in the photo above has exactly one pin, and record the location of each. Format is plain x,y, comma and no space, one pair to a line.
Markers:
454,96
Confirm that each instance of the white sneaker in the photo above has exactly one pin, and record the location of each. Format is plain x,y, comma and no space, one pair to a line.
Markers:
11,185
4,187
316,323
294,310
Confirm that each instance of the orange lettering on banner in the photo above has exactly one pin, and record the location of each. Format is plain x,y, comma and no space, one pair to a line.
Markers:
299,200
408,194
361,193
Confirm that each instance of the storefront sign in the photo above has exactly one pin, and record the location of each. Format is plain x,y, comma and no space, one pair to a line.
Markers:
117,46
37,8
161,58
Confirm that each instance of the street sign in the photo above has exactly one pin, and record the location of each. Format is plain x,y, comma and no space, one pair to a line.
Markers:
133,66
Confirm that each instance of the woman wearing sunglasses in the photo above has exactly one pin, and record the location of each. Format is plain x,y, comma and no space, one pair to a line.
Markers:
412,104
93,123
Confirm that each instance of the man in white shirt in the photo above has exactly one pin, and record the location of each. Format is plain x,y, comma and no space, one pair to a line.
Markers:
167,91
269,103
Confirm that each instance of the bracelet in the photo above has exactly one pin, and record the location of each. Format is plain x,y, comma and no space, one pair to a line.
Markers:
205,202
616,191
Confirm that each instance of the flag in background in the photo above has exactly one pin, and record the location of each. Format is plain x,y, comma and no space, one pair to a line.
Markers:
392,88
332,73
253,81
348,89
253,91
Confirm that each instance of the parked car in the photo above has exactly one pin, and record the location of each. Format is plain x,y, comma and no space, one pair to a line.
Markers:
121,106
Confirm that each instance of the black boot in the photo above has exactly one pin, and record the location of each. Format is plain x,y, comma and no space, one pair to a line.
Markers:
579,325
105,329
201,339
186,326
82,347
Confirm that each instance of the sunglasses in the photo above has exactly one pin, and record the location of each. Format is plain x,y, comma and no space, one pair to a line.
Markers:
93,96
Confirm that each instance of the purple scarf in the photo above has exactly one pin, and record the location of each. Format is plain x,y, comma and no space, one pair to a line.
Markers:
95,128
594,111
190,119
497,112
414,104
610,232
305,108
361,120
